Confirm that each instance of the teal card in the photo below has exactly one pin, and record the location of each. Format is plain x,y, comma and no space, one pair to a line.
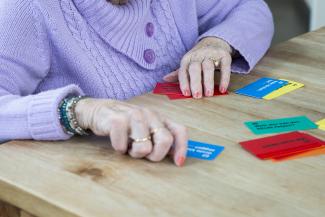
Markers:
280,125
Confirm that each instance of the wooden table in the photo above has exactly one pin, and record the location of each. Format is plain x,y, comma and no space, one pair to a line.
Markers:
84,177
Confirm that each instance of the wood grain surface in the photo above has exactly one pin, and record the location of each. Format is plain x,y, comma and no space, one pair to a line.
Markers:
84,177
8,210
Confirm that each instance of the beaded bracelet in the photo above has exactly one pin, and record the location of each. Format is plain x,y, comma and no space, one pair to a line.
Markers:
68,118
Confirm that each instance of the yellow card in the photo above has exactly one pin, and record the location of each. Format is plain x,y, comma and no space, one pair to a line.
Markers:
321,122
291,86
321,127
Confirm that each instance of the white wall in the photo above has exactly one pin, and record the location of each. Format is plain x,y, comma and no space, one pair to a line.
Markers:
317,8
309,2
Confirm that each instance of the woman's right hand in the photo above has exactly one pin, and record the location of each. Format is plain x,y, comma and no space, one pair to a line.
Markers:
122,121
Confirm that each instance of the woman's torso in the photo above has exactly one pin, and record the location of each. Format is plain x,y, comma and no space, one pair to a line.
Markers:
110,51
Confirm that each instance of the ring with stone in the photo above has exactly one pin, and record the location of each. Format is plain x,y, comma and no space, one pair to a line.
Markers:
216,62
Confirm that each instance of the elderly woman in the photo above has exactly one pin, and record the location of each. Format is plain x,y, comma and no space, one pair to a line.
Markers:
54,52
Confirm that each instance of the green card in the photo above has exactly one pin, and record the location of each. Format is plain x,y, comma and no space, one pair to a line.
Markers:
281,125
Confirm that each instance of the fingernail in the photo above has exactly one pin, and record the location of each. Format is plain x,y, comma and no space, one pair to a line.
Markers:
181,161
197,95
223,90
207,93
186,92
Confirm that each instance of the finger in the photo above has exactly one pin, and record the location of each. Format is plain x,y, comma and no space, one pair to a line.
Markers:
119,134
172,77
195,71
180,141
162,139
208,76
139,130
225,69
183,76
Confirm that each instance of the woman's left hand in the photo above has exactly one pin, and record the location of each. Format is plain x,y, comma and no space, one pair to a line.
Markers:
196,72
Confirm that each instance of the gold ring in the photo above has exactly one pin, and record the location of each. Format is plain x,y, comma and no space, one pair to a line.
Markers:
216,62
155,130
145,139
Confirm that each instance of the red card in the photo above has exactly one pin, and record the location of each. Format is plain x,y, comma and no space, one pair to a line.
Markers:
282,144
173,91
290,152
285,156
174,97
310,153
167,88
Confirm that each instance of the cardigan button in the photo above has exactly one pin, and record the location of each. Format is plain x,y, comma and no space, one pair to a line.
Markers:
150,29
149,56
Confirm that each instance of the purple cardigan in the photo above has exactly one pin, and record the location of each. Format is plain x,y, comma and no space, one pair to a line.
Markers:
52,48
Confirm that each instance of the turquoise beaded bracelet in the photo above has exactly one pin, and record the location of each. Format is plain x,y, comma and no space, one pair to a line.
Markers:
68,118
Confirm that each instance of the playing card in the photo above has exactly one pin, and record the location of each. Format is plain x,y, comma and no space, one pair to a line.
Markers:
280,125
203,151
261,87
272,146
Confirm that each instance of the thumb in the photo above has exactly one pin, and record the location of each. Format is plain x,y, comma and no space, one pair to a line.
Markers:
171,77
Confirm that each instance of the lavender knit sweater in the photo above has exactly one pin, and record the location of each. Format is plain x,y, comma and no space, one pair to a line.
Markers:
52,48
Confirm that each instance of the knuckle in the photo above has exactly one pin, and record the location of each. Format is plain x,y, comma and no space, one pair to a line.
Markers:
137,114
222,53
186,59
228,59
149,112
118,120
182,130
165,141
195,55
143,149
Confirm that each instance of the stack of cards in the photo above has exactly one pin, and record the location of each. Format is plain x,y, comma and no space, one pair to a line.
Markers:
281,125
284,146
289,87
203,151
173,91
269,88
321,124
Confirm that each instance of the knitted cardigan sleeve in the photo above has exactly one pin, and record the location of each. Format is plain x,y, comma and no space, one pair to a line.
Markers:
247,25
24,62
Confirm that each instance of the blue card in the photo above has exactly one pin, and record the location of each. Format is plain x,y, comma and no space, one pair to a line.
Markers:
203,151
261,87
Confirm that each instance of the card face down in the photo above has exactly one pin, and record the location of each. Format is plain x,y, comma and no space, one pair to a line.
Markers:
282,144
176,96
261,87
167,88
173,91
203,151
281,125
